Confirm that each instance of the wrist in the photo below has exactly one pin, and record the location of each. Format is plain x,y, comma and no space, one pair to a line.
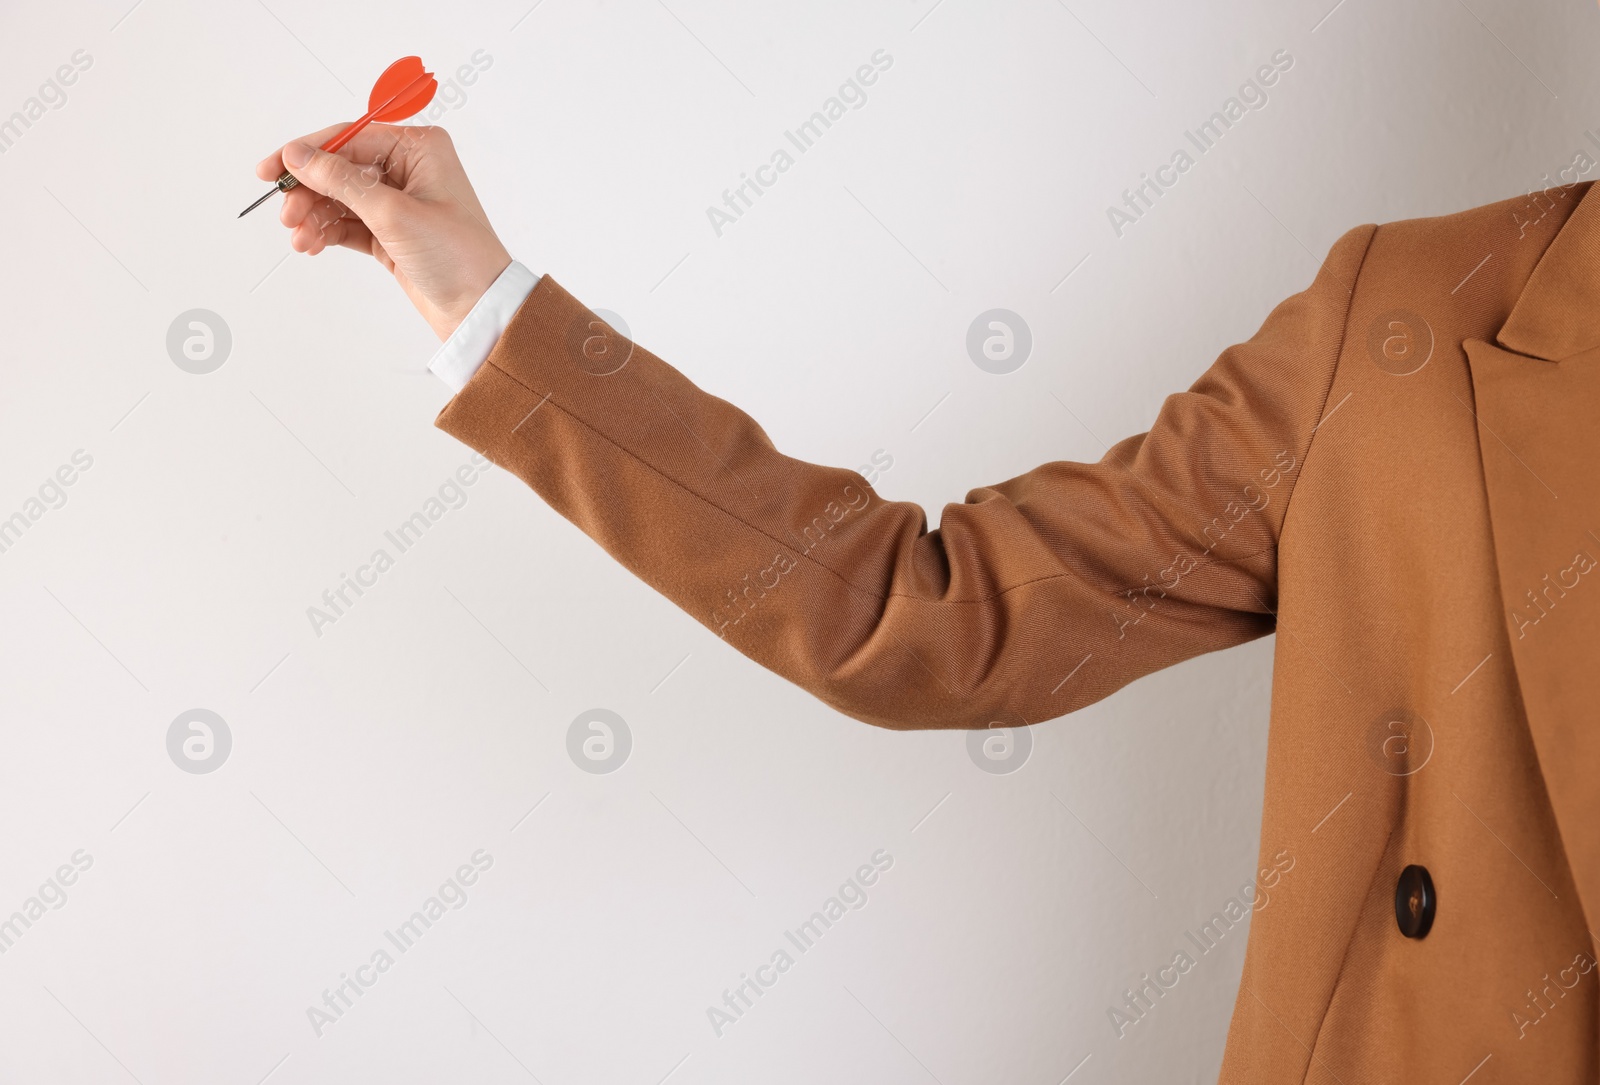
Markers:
475,284
469,346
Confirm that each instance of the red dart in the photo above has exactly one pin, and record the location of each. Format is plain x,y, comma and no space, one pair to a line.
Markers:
401,91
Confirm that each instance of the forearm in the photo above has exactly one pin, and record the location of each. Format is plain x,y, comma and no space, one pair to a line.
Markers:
1036,596
784,559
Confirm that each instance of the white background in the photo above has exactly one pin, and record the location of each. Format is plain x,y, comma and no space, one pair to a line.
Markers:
370,762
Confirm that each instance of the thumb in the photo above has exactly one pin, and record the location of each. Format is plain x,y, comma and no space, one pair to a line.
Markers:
360,188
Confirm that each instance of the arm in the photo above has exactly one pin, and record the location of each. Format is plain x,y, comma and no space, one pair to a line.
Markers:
1103,572
1036,596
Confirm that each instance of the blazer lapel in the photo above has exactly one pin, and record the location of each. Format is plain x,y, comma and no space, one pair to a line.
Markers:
1537,401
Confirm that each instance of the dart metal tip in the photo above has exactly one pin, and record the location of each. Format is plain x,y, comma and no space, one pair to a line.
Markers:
286,181
258,203
274,189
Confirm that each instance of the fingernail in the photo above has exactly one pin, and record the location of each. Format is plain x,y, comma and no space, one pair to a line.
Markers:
296,154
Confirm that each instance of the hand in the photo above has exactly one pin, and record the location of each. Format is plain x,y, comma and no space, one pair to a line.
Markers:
398,193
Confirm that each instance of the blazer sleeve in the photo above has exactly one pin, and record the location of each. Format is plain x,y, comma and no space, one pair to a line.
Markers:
1034,597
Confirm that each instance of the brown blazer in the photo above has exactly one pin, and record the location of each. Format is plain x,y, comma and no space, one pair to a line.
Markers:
1396,474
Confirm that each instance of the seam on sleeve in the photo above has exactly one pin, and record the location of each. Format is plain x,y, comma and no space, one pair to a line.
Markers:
1333,378
760,531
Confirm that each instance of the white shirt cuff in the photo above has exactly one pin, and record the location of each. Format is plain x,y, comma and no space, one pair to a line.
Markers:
468,347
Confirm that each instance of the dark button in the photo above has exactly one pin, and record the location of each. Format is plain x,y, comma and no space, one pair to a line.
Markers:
1414,902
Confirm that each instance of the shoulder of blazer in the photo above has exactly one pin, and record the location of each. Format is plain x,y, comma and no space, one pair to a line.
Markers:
1452,277
1463,272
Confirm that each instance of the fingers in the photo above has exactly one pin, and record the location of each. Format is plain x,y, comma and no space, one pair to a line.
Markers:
301,203
361,188
336,190
397,147
317,222
316,234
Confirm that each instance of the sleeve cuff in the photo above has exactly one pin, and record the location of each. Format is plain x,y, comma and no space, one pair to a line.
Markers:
460,356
